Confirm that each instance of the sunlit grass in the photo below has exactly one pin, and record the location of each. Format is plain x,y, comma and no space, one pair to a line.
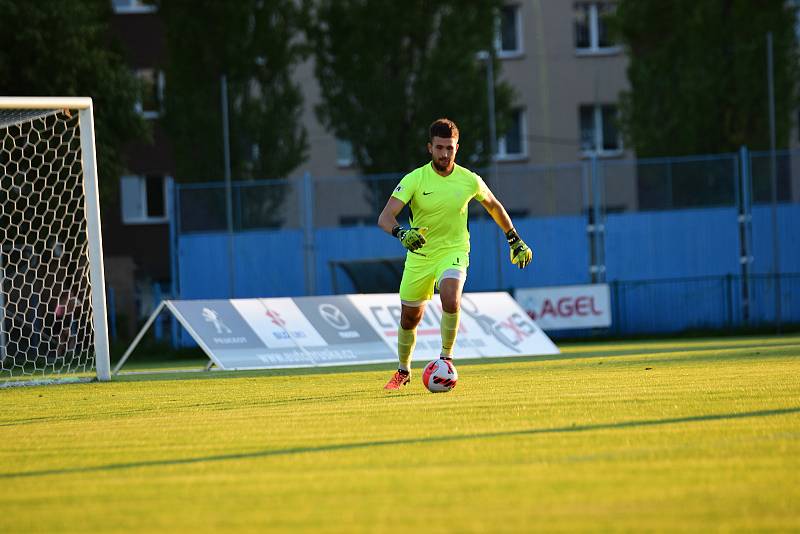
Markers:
665,435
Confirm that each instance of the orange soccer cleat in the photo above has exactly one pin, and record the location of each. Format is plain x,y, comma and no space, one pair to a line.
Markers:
400,379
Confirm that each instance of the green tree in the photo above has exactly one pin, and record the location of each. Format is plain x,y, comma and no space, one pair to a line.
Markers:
387,69
254,44
57,48
698,74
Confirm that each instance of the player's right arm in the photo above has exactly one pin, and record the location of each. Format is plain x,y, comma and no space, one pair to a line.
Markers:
387,220
411,238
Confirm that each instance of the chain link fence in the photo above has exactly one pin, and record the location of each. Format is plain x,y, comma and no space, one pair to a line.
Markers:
256,205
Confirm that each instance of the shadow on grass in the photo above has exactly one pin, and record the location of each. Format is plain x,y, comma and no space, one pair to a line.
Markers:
704,353
390,443
210,406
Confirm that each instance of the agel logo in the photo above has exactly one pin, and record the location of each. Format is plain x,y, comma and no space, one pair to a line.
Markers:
567,307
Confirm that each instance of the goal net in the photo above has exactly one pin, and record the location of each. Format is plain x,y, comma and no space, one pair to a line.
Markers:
52,293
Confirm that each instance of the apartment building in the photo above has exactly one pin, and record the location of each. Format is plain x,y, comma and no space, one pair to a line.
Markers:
136,229
566,72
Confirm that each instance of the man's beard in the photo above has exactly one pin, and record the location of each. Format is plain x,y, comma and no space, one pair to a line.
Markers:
442,168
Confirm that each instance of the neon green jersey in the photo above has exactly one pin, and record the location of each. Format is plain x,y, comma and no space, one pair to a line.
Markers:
440,204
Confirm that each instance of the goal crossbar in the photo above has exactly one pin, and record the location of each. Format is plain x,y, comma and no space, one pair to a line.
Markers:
45,102
18,109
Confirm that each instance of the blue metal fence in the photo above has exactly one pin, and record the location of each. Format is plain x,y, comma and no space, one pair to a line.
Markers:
686,242
788,218
671,305
701,303
669,244
268,263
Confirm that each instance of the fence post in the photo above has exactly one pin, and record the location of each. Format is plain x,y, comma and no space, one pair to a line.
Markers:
173,200
773,180
309,256
587,209
597,227
745,220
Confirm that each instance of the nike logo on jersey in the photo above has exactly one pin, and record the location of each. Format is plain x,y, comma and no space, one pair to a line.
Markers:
427,192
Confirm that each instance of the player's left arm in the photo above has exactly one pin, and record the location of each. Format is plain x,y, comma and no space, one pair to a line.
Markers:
521,254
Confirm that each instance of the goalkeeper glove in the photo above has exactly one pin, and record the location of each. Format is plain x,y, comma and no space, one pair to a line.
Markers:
521,254
411,238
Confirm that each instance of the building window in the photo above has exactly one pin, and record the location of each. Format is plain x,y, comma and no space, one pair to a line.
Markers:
512,145
599,133
126,7
144,199
591,28
151,93
344,153
508,35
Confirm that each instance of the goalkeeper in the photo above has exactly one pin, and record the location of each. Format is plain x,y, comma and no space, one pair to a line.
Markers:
438,194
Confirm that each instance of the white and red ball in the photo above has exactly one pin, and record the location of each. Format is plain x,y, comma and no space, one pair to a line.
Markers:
440,376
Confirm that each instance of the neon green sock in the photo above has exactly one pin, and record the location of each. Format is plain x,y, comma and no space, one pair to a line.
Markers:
406,339
449,331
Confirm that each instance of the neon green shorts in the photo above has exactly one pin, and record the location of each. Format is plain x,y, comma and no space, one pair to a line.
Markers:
422,273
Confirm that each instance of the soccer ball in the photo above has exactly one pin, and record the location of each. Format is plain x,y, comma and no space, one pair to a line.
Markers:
440,376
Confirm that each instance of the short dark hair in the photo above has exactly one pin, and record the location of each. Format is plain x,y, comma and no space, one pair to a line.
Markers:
444,128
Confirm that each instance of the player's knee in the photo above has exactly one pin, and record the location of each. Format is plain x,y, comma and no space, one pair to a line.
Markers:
450,304
410,319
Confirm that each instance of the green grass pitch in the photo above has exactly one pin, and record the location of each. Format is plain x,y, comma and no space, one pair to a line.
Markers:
698,435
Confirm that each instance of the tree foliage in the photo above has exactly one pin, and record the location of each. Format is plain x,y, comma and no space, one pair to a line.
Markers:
698,74
254,44
56,48
388,69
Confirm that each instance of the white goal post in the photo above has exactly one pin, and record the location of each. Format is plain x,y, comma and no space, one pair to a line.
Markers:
53,323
